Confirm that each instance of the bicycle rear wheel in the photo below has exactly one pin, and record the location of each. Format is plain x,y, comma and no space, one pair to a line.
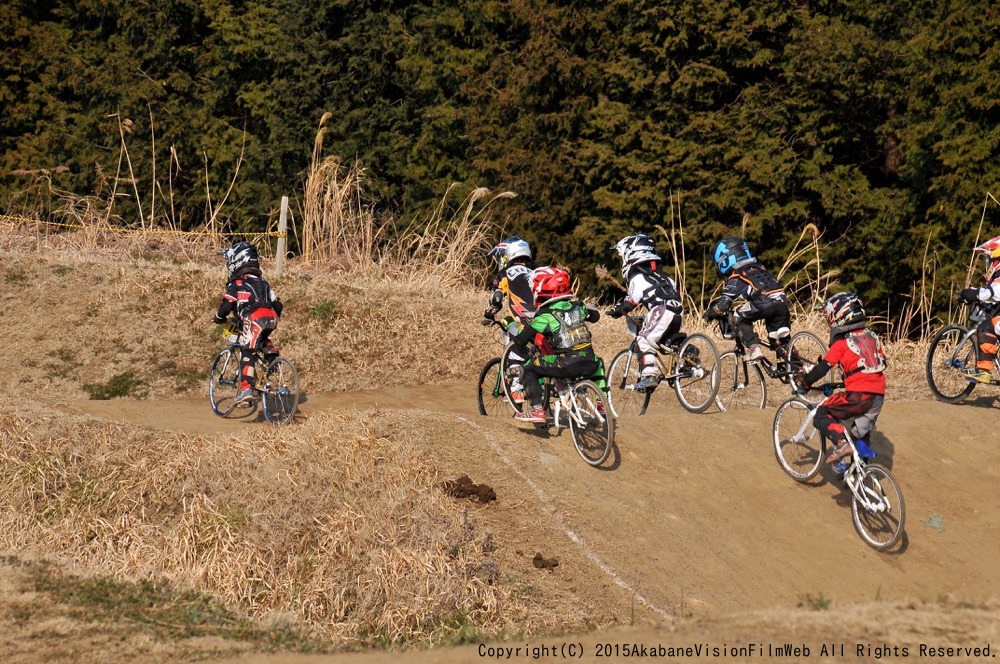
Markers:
280,391
492,397
804,351
622,377
949,355
697,366
224,382
741,385
880,522
799,454
594,434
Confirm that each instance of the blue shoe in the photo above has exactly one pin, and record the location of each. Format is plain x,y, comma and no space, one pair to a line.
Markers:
839,467
647,383
244,396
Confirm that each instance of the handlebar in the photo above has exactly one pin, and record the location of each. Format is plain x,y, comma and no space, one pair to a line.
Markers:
826,388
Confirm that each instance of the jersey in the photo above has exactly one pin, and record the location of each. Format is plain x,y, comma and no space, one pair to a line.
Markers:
246,294
515,282
861,355
754,284
649,286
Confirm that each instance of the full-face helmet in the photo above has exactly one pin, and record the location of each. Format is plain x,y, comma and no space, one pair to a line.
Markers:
843,310
991,252
549,284
731,252
635,249
510,250
240,255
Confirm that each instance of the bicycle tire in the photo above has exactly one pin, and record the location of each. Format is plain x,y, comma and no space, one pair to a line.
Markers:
947,357
883,527
741,385
280,391
505,363
622,375
800,459
492,398
805,349
224,381
593,437
697,382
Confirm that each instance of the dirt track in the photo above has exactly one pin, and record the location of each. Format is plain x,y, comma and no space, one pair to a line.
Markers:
692,518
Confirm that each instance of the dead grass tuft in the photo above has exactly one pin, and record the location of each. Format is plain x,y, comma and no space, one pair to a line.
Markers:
375,552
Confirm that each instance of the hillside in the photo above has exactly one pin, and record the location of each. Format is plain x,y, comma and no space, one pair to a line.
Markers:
690,534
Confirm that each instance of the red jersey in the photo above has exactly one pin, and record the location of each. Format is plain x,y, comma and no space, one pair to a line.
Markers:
862,357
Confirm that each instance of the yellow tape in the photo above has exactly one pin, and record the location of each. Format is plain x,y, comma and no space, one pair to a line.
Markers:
15,220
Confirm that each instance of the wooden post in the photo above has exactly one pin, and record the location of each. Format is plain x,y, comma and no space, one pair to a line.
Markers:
283,238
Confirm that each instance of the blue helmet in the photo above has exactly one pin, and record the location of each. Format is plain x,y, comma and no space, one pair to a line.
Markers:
731,252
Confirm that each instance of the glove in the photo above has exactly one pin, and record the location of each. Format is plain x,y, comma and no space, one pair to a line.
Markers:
969,294
615,312
218,320
828,390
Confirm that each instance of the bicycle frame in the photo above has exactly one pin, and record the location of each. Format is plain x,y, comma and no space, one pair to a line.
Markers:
852,477
566,400
665,357
764,363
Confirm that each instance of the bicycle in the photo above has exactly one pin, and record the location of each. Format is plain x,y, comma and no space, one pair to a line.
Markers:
952,354
741,382
277,385
578,401
494,389
687,362
877,506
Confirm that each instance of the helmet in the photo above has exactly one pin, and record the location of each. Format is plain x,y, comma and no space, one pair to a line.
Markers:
510,249
991,252
635,249
549,284
731,252
240,255
843,310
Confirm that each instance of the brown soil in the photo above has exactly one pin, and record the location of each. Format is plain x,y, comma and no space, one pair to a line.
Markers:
692,530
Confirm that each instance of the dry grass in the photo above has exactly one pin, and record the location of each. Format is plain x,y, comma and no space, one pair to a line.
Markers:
374,552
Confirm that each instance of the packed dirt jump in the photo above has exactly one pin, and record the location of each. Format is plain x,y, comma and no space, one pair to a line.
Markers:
692,525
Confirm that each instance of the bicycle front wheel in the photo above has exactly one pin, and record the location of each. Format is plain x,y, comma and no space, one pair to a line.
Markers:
593,432
697,366
878,509
741,385
280,391
804,351
798,445
492,397
951,354
622,377
224,382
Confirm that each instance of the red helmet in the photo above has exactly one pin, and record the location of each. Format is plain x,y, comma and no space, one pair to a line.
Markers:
549,284
991,252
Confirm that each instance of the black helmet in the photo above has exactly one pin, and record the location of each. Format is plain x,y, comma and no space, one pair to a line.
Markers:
240,255
844,310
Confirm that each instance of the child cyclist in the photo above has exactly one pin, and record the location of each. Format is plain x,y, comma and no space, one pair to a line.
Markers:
650,287
559,329
764,295
513,280
860,353
988,329
256,307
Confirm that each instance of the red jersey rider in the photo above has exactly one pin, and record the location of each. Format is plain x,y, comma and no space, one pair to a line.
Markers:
255,305
988,295
860,353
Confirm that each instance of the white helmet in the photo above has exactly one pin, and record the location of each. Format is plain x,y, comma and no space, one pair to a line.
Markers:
636,249
509,250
